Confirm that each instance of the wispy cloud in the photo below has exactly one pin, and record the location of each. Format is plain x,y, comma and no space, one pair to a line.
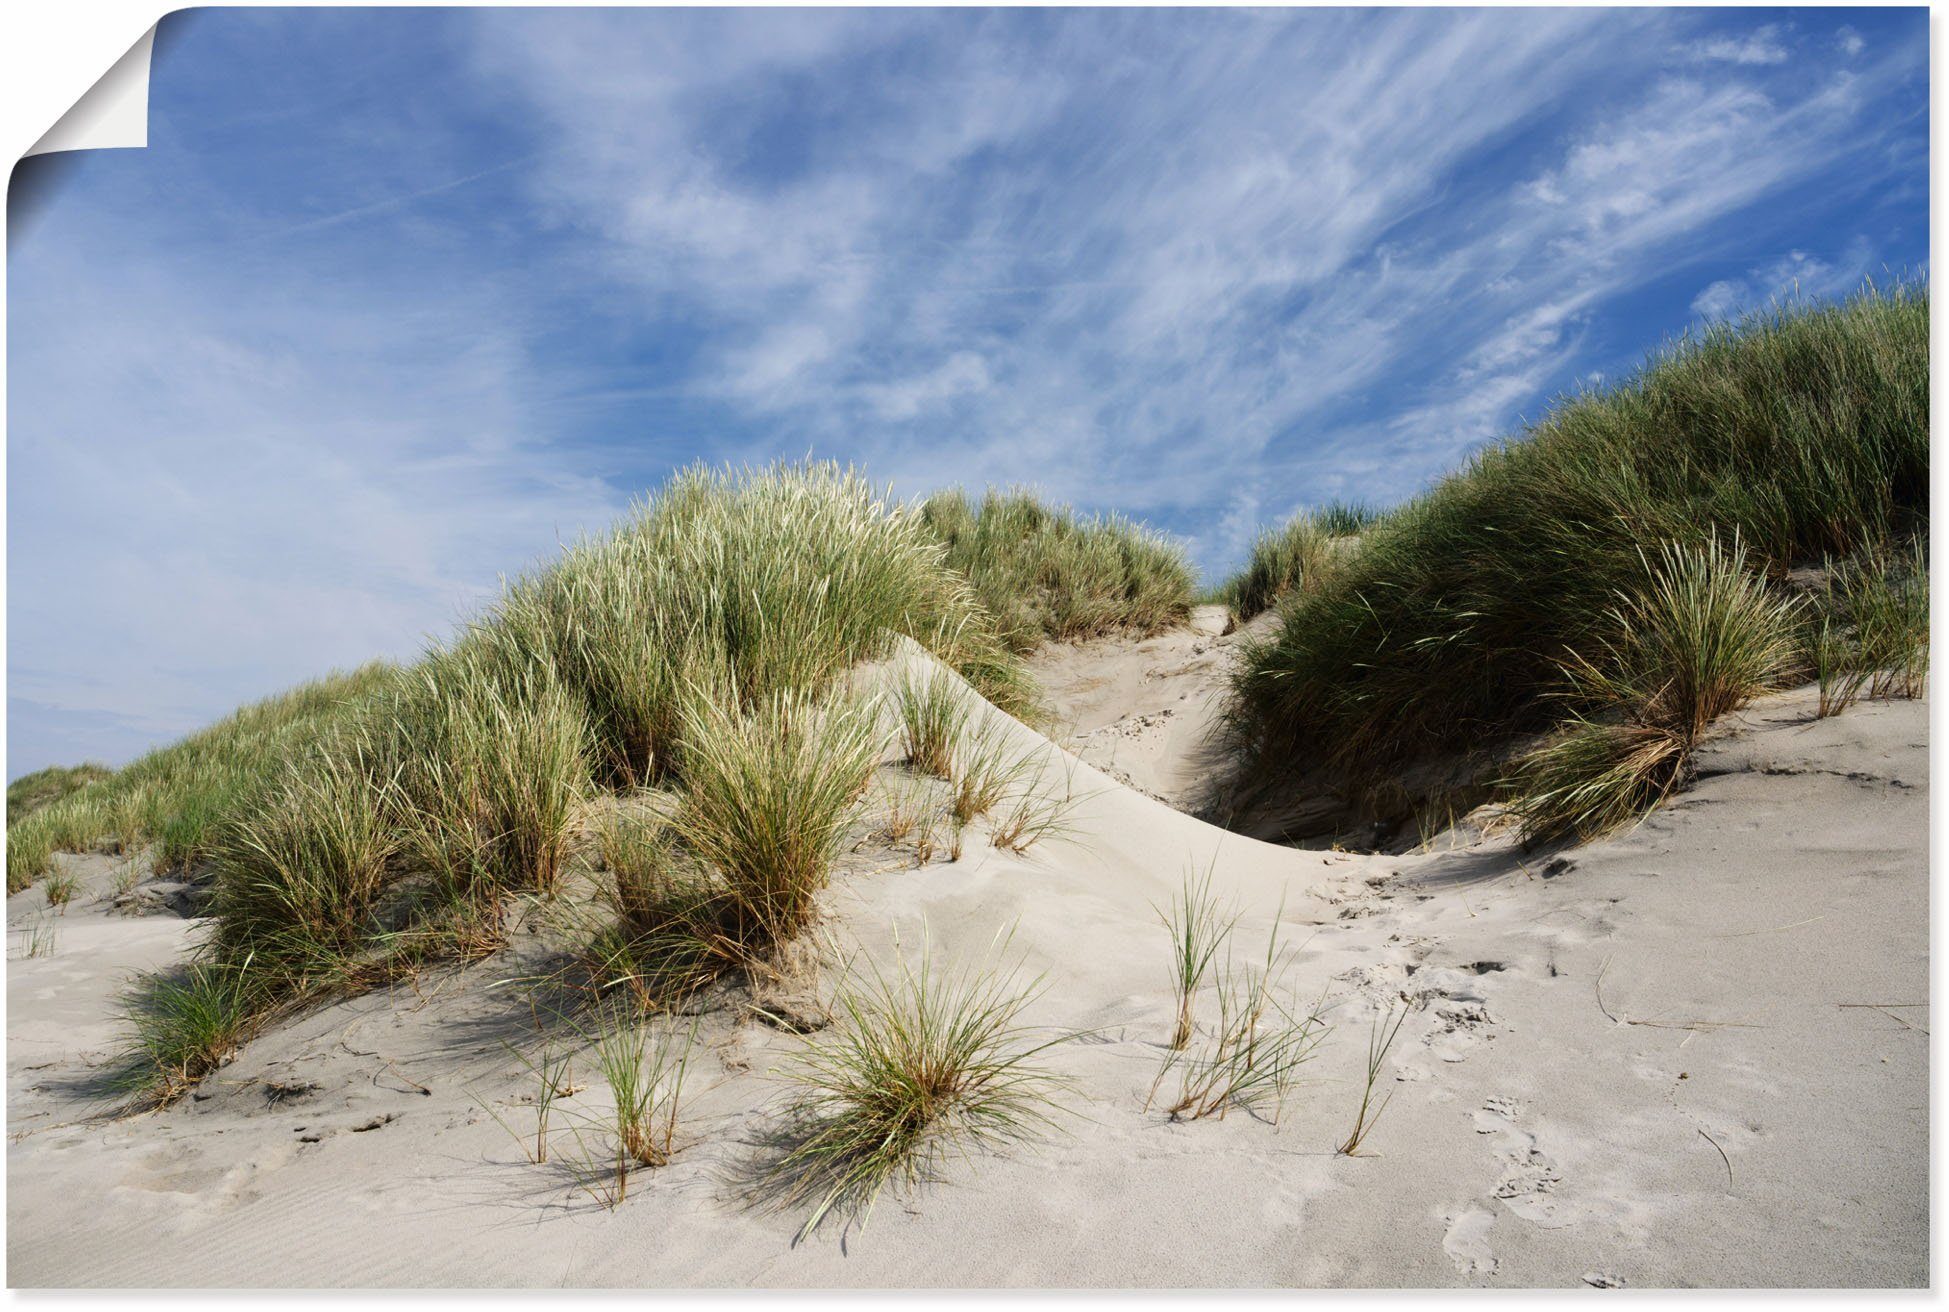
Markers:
1764,46
296,384
1795,276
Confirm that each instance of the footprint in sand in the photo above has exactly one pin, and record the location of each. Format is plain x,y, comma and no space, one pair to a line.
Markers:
1467,1240
1529,1179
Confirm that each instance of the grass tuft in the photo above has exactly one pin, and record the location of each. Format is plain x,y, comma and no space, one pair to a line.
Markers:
767,795
1702,637
184,1024
933,720
923,1060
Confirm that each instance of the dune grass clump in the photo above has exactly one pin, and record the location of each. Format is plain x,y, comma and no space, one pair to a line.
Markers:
643,1067
933,721
1802,432
767,794
732,875
31,792
1045,572
298,875
179,797
1872,631
1702,636
924,1062
493,772
1298,558
184,1023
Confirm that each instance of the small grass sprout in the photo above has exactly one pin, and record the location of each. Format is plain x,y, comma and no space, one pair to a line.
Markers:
1251,1059
1386,1029
1198,928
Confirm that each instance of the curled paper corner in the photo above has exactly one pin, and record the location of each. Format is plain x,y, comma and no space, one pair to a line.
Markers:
114,113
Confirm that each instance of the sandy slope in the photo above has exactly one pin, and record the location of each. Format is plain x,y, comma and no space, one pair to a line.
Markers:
1643,1064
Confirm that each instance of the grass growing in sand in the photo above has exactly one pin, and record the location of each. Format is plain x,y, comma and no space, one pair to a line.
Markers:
183,1024
1803,433
1198,929
1700,637
643,1067
924,1062
644,1074
1872,631
933,721
1379,1042
767,795
60,889
1251,1056
1297,558
1046,572
357,827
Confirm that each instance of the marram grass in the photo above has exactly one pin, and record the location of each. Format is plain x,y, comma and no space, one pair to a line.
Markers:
1046,572
925,1063
357,826
1802,432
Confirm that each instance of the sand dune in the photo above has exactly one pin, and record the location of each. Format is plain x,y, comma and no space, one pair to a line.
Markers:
1650,1061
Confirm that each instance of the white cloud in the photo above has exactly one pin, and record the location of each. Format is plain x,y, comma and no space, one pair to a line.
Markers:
1849,42
1763,46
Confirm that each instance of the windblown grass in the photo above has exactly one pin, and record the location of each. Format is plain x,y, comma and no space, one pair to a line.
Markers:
1802,432
925,1062
1046,572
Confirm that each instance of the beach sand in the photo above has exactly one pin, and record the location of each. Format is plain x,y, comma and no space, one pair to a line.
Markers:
1692,1055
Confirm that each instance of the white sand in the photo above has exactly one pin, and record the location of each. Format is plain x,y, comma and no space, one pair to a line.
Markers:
1542,1131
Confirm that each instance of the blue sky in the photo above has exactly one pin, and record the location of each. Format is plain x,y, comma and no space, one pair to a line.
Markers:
396,300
